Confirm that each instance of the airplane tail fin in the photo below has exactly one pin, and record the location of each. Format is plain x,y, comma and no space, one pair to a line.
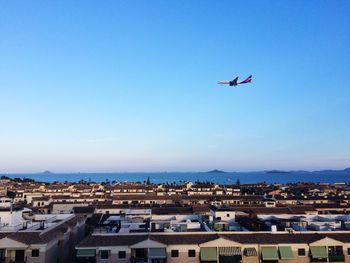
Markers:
247,80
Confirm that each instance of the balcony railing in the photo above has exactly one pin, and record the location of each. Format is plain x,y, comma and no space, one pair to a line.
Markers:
12,260
138,260
331,258
336,258
313,260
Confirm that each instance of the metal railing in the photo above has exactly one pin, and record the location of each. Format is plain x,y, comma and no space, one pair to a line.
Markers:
12,260
336,258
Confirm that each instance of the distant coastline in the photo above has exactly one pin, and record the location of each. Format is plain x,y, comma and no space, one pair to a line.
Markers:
216,171
214,176
278,172
272,171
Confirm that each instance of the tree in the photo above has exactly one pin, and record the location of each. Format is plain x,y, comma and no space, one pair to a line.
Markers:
148,181
238,182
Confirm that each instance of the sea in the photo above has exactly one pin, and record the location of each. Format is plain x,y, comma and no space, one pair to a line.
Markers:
342,176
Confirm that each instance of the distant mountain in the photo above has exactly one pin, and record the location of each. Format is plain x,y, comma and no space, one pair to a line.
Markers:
278,172
215,171
327,171
301,171
346,170
47,172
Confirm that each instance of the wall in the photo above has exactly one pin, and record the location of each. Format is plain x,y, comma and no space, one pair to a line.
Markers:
40,259
183,254
113,256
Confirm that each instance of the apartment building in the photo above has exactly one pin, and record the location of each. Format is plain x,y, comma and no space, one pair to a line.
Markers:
210,247
29,238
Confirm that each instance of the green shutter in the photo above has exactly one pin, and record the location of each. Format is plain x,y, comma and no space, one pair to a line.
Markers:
269,253
319,252
286,252
157,253
86,252
230,251
208,254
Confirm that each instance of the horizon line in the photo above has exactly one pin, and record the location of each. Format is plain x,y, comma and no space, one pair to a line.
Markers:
191,171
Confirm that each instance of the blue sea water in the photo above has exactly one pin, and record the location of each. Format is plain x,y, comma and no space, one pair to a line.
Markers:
222,178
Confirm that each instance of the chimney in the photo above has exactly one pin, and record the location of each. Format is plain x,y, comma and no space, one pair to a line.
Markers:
274,228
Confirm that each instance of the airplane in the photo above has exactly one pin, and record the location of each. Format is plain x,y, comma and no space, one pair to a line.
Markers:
235,82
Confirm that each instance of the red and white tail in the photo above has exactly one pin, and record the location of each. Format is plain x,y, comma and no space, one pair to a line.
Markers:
247,80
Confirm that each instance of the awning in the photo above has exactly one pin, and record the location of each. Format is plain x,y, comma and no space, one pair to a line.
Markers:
157,253
86,252
208,254
250,252
230,251
319,252
286,252
269,253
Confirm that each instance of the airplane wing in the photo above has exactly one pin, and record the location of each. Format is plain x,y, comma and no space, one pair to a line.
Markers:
234,82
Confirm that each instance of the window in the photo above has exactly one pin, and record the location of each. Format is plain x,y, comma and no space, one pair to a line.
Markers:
301,252
121,254
174,253
335,250
191,253
104,254
35,253
227,215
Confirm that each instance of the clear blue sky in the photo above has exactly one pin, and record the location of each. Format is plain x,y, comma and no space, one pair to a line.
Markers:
131,85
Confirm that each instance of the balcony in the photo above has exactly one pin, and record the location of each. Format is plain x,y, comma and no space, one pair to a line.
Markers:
314,260
138,260
12,260
336,258
331,258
